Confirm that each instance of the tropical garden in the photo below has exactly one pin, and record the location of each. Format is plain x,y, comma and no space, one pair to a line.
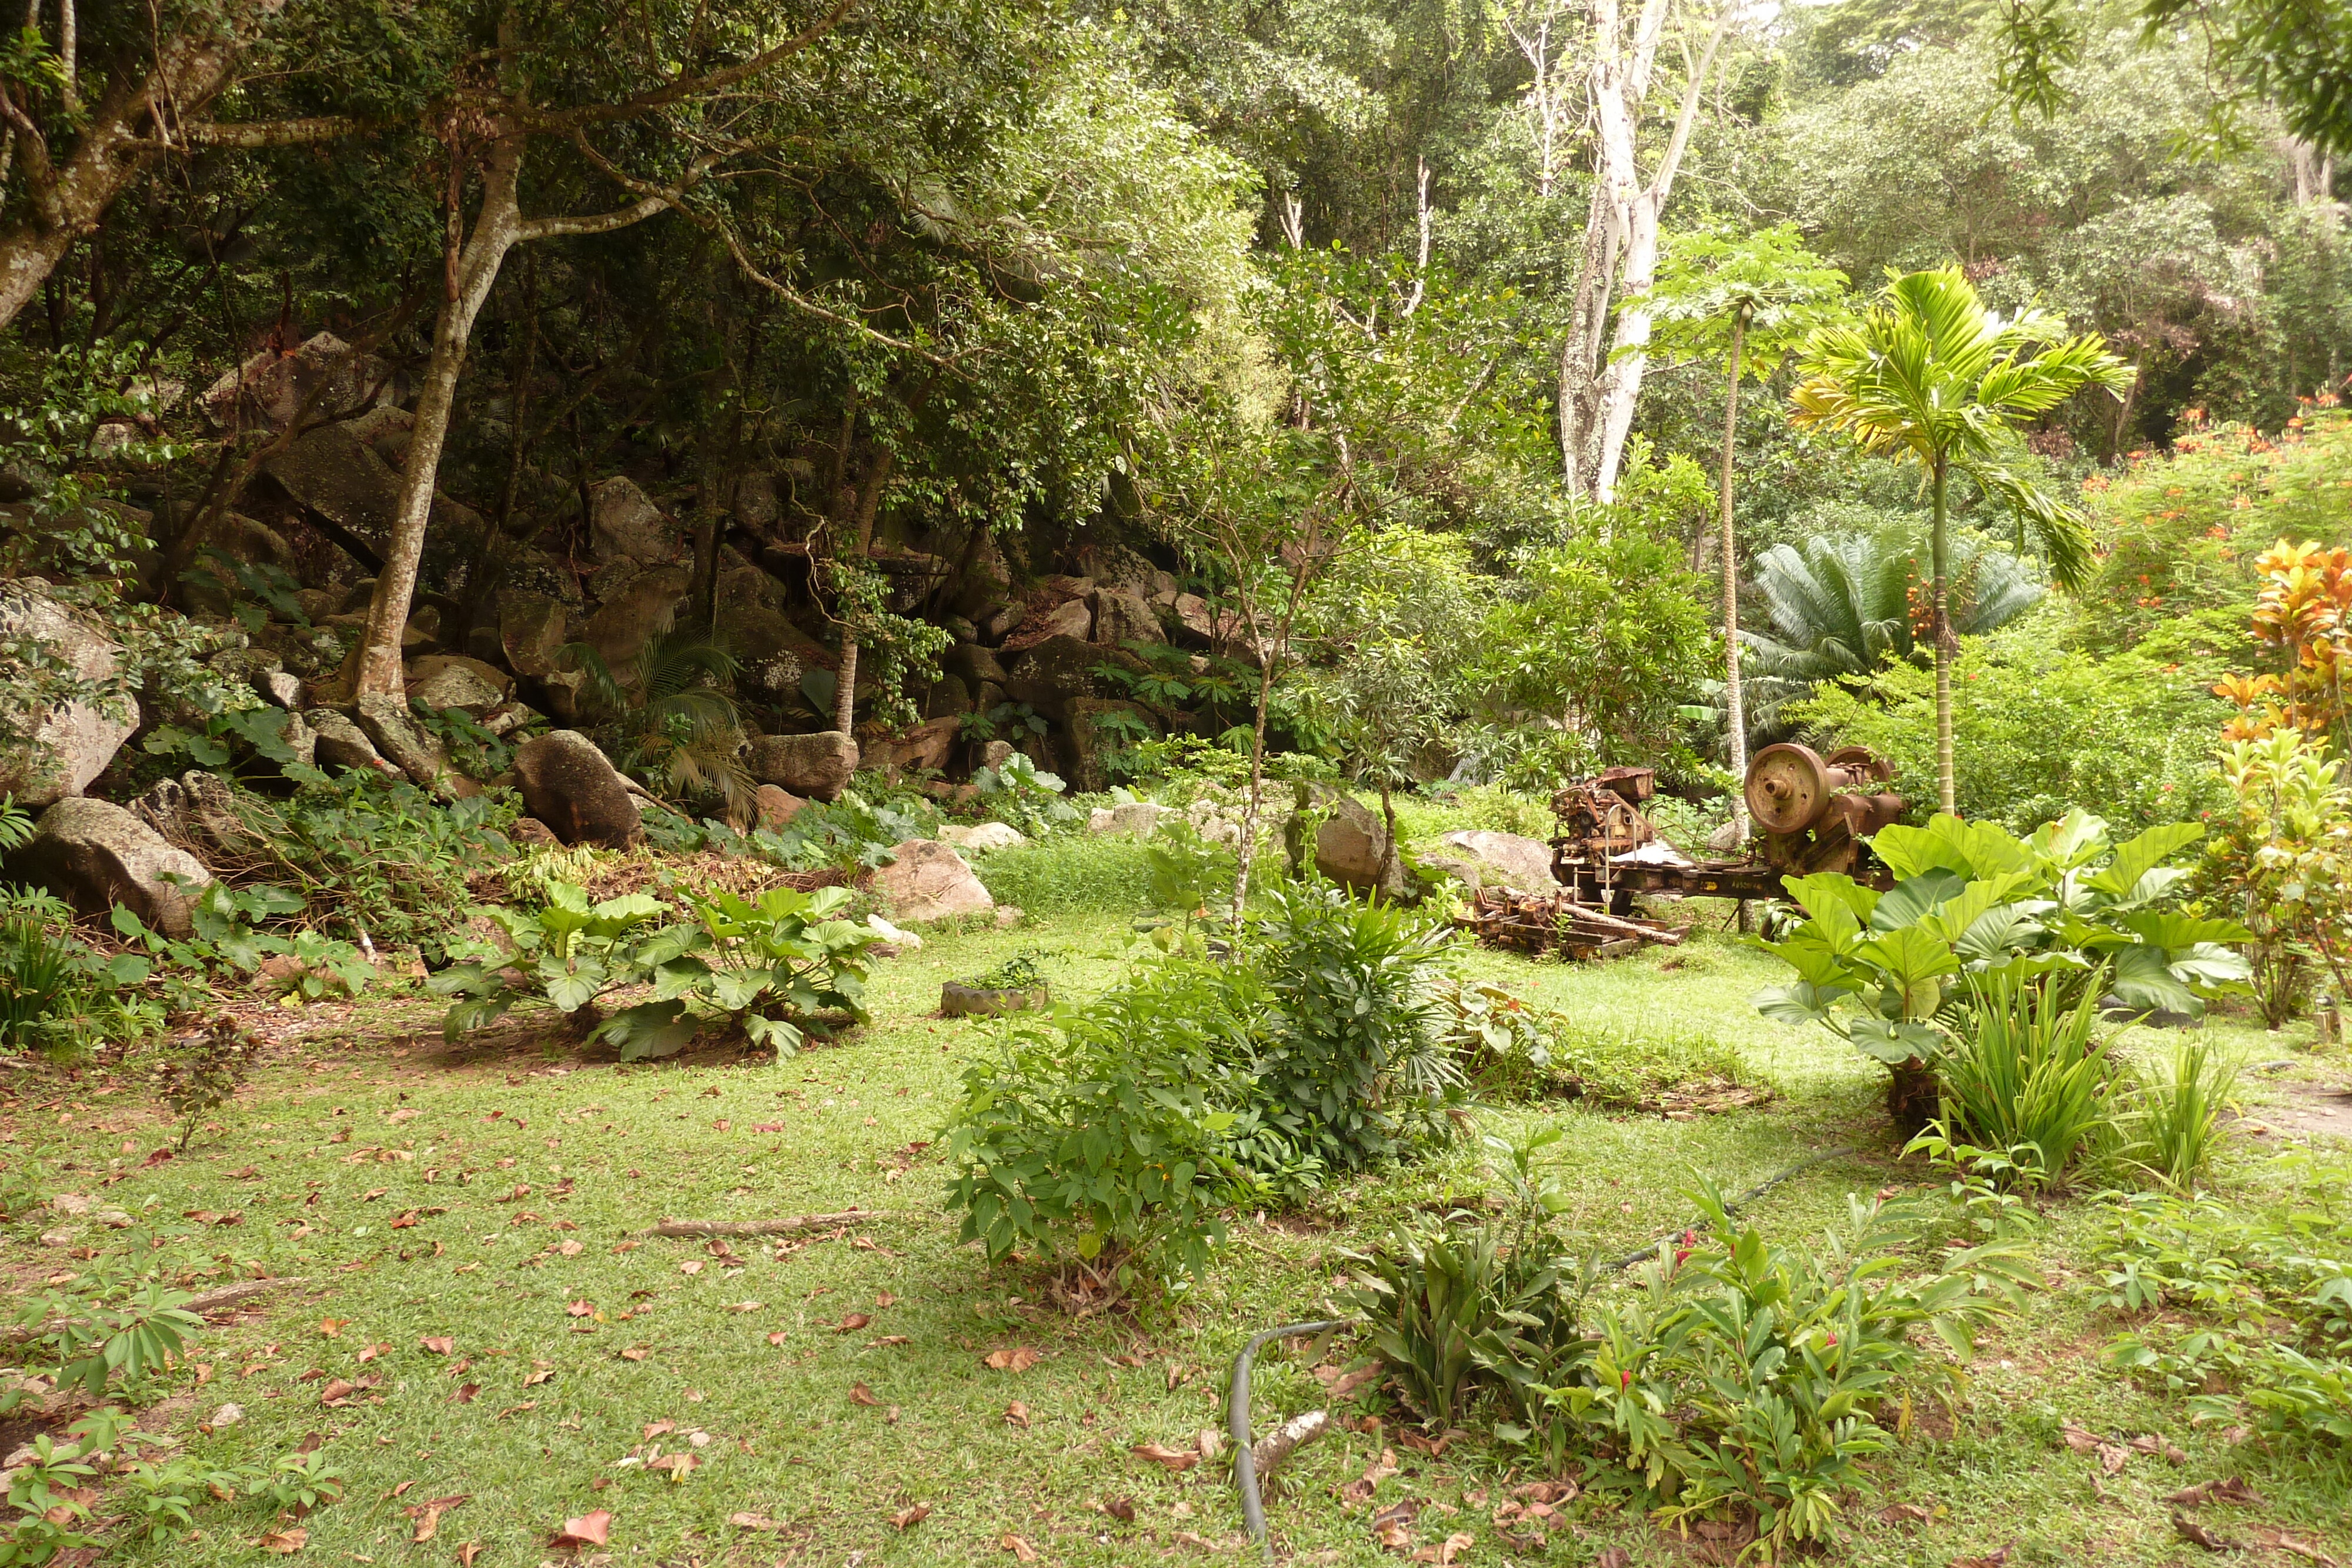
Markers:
1041,620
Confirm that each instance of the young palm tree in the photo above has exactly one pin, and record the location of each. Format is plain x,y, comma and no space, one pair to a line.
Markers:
1931,372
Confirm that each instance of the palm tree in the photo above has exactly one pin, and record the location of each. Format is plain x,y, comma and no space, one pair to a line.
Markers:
1932,373
1844,604
668,718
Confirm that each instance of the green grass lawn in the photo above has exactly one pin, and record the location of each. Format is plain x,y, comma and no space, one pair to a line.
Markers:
832,1383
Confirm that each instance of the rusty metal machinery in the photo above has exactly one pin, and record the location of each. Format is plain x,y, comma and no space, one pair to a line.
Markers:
1811,814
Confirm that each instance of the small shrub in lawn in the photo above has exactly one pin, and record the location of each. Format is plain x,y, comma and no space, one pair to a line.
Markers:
2174,1123
1068,874
2025,1076
202,1072
2246,1310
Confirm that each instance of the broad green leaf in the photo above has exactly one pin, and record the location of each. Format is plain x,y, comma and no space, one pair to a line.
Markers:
1894,1041
1913,898
1952,918
2073,840
2144,982
2002,929
1799,1004
2143,854
1829,889
2174,931
1913,962
648,1030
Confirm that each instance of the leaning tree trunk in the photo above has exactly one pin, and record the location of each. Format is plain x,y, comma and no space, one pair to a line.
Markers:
498,225
1913,1095
1940,625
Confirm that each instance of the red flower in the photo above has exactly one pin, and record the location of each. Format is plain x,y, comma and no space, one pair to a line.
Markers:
1624,1380
1831,1341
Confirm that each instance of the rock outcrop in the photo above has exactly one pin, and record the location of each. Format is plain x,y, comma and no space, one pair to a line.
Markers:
817,765
71,742
1350,847
95,856
983,838
626,523
573,788
1505,860
928,881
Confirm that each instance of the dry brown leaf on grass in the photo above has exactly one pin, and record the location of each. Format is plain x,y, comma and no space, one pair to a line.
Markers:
1615,1557
2079,1438
1546,1492
332,1328
371,1351
285,1543
467,1552
907,1518
2156,1447
1022,1550
1433,1446
852,1323
2113,1458
1020,1358
2234,1490
636,1352
1445,1551
887,1339
2280,1540
1176,1459
1393,1526
2188,1530
659,1428
580,1309
1017,1415
861,1394
1338,1384
589,1530
747,1307
1121,1509
755,1522
777,1337
1379,1471
1992,1560
437,1344
1904,1513
884,1299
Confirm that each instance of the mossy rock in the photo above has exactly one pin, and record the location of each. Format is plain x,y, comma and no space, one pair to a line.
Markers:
959,1001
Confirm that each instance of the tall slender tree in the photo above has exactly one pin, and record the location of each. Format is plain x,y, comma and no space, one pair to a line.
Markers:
1930,373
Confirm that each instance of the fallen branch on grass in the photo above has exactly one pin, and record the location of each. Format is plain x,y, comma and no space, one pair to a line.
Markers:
1278,1446
778,1227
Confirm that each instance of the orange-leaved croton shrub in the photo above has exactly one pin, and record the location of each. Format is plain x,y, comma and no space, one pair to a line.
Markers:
2304,616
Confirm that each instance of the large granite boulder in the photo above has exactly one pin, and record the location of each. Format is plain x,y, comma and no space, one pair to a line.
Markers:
926,747
817,765
271,387
982,838
442,681
96,855
336,473
777,805
71,742
624,523
399,739
1133,819
572,788
972,664
531,632
644,605
1072,618
928,881
1049,675
1121,618
1351,846
1505,860
340,743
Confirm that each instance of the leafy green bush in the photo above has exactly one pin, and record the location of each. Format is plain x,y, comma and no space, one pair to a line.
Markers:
199,1076
1070,874
55,993
2038,728
2174,1125
2247,1313
853,833
224,940
1108,1135
1019,794
1515,1051
767,967
2024,1076
2064,909
1739,1379
1352,1058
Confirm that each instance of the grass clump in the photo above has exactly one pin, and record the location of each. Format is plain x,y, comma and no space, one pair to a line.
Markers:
1071,874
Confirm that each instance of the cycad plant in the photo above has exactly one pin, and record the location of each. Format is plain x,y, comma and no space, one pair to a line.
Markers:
669,718
1930,373
1846,605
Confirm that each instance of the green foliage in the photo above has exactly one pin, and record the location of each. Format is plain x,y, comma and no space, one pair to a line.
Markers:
1466,1308
1020,972
118,1330
196,1076
56,994
669,719
765,967
1019,794
2023,1075
1744,1378
225,941
1070,874
2282,863
2173,1127
1185,873
1105,1134
1847,604
2066,909
1353,1060
2038,728
2247,1310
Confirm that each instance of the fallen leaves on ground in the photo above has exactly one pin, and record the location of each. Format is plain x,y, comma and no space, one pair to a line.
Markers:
2081,1440
852,1323
589,1530
371,1351
906,1517
580,1309
1020,1358
1393,1526
887,1339
1433,1446
1615,1557
1994,1559
637,1352
2191,1530
467,1552
1177,1461
1379,1471
286,1543
1016,1415
332,1328
1022,1550
2156,1447
1445,1551
465,1395
1904,1513
437,1344
2280,1540
1339,1384
861,1394
754,1521
2234,1490
1121,1509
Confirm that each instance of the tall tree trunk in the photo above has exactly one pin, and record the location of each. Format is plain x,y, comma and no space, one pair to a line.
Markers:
1941,626
1738,714
1579,354
498,225
844,696
1621,382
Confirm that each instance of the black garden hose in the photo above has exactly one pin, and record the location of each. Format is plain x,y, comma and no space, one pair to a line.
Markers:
1237,1417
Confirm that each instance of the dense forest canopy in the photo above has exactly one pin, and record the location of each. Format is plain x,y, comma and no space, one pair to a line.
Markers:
857,340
